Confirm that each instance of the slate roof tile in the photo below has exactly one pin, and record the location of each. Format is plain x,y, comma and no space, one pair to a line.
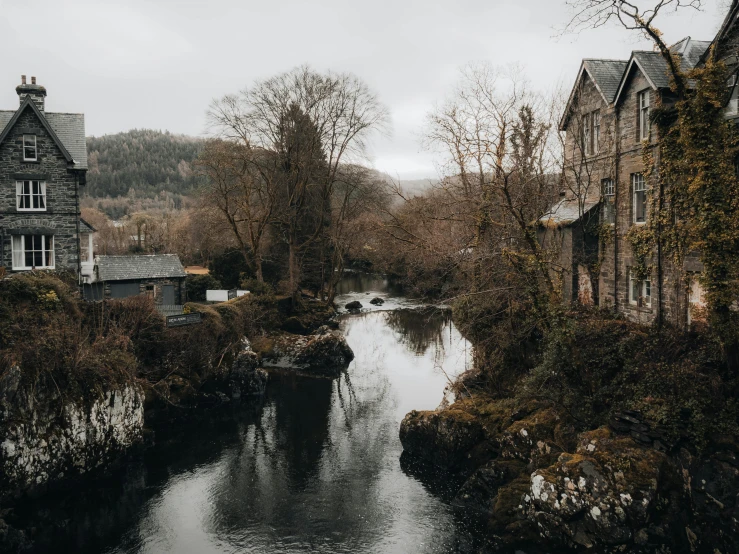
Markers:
152,266
69,127
606,74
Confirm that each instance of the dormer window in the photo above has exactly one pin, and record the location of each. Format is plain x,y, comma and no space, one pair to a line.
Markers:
30,154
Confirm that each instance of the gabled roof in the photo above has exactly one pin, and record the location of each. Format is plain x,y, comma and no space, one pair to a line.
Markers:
654,67
605,74
566,212
66,129
153,266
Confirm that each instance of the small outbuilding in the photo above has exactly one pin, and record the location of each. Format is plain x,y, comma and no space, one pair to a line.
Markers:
160,276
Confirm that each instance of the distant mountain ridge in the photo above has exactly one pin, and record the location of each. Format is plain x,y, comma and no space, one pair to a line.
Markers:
141,162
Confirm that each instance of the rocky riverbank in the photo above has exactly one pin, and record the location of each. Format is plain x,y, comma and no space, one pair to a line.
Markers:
81,382
542,486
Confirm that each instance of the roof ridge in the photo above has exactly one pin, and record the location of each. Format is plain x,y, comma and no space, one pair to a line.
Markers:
604,60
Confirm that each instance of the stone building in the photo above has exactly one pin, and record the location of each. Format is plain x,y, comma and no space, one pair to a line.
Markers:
160,276
608,132
43,163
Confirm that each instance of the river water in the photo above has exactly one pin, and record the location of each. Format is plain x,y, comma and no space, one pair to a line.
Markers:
316,467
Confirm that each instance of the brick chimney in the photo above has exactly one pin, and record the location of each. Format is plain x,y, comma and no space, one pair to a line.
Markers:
36,92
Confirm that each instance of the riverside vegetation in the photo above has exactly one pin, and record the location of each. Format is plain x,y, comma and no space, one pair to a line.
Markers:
81,383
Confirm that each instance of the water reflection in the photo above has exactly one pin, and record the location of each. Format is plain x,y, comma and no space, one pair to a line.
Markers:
316,469
421,328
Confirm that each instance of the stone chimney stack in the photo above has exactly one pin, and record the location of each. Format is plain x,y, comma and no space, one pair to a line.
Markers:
36,92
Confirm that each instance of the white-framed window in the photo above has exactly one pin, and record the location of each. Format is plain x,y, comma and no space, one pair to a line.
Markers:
30,195
596,131
586,134
33,251
643,114
640,292
639,203
609,209
30,152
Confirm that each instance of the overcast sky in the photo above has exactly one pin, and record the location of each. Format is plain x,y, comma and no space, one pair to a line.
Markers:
158,63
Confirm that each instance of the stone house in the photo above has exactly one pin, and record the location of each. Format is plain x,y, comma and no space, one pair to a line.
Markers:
608,131
160,276
43,163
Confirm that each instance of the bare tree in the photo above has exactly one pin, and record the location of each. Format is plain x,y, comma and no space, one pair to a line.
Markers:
242,189
496,143
313,122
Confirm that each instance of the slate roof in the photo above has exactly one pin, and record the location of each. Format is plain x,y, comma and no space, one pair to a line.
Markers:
606,74
654,66
153,266
566,212
69,127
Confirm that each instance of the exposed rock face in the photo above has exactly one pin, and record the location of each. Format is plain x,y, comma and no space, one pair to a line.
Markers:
377,301
45,438
354,306
602,494
443,438
325,353
538,482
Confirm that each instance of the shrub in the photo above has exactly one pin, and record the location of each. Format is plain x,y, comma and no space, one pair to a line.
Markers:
196,286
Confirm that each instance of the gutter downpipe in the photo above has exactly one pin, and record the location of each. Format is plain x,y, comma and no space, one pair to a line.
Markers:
617,178
77,224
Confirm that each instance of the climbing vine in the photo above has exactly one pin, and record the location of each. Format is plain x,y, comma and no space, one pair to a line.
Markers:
700,192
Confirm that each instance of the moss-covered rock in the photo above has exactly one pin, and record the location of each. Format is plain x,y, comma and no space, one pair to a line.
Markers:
602,494
325,353
446,438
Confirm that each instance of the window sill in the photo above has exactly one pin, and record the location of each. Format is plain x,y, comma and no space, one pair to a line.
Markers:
30,161
30,268
639,223
31,210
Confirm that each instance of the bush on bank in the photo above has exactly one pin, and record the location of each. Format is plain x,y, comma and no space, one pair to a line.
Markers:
60,341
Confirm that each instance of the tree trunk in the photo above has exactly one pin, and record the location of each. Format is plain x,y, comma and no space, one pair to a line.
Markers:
294,272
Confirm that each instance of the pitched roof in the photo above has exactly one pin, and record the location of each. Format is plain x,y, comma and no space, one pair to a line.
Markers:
68,128
654,67
566,211
153,266
606,75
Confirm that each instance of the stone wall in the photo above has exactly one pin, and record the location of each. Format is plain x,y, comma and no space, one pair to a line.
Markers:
46,437
583,177
60,216
180,293
621,155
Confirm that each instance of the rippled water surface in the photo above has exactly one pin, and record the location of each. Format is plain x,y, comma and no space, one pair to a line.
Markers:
315,468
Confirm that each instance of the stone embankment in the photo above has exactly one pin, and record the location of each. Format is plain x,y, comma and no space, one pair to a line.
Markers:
46,437
618,488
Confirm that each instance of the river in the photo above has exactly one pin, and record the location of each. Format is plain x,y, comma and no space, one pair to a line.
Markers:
316,467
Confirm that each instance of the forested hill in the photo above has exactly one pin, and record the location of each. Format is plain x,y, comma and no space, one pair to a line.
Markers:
144,161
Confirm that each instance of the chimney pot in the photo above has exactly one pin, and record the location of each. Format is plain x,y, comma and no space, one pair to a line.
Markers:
33,80
23,79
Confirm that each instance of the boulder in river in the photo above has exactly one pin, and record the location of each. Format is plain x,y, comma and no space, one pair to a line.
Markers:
324,353
377,301
354,306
